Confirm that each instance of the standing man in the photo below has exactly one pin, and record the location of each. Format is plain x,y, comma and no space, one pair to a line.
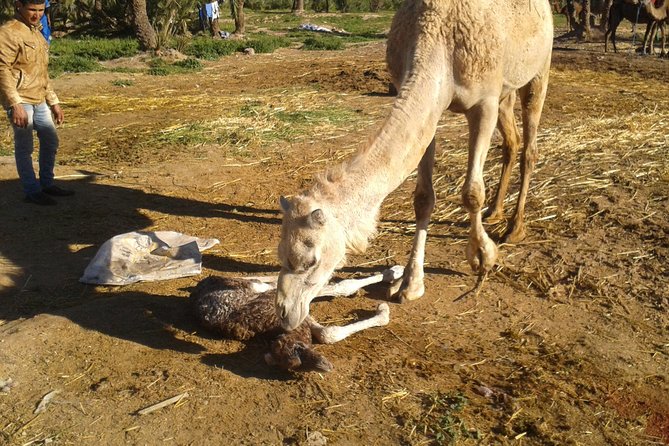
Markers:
27,95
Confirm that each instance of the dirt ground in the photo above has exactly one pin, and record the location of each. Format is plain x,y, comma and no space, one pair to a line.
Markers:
568,343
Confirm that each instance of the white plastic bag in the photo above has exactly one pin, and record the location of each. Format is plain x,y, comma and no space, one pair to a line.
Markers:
146,256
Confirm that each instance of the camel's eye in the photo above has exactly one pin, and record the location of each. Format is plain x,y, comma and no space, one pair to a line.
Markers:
309,243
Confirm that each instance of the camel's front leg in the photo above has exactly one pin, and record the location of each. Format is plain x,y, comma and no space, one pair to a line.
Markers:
481,251
532,98
348,287
332,334
506,123
412,287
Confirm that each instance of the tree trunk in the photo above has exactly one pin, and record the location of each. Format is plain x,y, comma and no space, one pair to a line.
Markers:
143,29
298,7
585,20
237,9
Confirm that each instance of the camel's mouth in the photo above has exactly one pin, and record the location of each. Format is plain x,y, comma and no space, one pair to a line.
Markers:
291,316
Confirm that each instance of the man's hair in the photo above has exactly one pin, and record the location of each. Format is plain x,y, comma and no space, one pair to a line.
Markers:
31,2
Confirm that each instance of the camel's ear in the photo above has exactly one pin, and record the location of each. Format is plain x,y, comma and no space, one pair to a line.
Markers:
285,204
317,218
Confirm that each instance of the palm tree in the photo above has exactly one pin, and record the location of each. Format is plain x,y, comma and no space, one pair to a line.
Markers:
237,9
143,29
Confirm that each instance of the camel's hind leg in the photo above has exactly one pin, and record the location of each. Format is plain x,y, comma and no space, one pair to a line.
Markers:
532,98
481,251
506,123
411,287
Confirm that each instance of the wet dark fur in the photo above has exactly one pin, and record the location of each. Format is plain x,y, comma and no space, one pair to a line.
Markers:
232,308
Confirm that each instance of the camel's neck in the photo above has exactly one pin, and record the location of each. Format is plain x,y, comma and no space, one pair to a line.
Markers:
354,191
656,9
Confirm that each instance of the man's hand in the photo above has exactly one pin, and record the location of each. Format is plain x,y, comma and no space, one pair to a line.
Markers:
57,113
19,116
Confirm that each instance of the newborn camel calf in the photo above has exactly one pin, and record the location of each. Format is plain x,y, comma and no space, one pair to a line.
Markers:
243,308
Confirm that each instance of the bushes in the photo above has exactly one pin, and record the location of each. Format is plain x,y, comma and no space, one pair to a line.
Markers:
95,48
82,55
265,43
159,67
323,43
211,49
72,64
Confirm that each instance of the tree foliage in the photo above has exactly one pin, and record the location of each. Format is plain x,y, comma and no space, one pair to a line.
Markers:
166,18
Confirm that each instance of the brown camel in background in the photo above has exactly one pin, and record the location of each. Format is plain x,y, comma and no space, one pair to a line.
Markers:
647,12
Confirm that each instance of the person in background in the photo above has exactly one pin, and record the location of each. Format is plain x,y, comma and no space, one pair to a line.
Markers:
213,13
27,95
46,22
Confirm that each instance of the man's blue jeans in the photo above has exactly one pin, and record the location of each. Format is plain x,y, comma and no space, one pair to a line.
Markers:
40,120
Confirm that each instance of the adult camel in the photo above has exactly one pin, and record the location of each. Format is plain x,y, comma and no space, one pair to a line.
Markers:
469,57
647,11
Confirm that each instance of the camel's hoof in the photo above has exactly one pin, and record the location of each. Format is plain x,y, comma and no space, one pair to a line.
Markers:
393,273
514,235
383,313
492,216
481,257
402,293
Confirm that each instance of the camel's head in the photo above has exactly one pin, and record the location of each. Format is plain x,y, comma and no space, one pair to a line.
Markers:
312,246
288,355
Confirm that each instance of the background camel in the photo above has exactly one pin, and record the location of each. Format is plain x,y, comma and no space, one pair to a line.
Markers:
244,308
649,45
469,57
647,12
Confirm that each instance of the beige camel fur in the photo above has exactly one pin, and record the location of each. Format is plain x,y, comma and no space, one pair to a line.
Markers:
465,56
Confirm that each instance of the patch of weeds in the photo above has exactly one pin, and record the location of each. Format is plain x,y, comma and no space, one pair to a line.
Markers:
210,49
95,48
186,135
159,67
190,64
123,83
441,420
71,63
124,70
311,117
323,43
265,43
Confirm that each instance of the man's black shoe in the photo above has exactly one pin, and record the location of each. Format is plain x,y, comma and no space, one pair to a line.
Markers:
57,191
40,198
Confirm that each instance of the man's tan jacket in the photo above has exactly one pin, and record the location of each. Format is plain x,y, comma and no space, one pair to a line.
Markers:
24,61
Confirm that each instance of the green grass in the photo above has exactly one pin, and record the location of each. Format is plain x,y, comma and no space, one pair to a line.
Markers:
559,20
441,420
323,43
95,48
212,49
71,63
266,32
159,67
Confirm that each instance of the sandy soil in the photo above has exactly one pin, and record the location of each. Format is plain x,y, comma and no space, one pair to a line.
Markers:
567,344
